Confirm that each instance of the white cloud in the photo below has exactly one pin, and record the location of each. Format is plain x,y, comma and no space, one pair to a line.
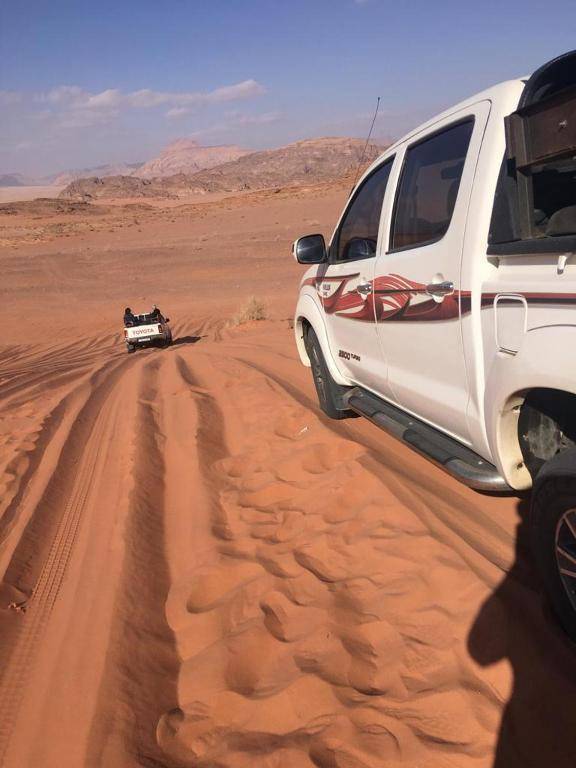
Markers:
185,103
247,89
262,119
108,99
147,98
71,106
63,94
72,97
177,112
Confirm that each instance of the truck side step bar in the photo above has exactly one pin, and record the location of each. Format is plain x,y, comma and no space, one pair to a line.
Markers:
459,461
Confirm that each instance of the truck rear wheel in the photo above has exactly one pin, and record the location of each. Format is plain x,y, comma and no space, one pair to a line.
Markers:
131,348
330,394
553,529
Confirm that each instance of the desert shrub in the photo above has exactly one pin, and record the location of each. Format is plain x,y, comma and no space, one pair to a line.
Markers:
253,309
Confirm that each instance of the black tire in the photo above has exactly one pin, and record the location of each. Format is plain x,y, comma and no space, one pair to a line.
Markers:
330,394
130,348
553,533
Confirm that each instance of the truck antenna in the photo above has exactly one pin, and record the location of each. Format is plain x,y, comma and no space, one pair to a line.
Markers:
366,145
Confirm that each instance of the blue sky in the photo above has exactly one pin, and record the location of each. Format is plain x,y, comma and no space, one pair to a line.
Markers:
84,83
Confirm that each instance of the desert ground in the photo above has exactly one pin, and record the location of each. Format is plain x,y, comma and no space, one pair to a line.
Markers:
13,194
198,568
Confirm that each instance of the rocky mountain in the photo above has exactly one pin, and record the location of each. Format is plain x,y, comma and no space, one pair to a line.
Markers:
305,162
187,156
310,161
102,171
95,188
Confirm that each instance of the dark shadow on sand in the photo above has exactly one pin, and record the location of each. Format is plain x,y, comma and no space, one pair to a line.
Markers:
186,340
538,727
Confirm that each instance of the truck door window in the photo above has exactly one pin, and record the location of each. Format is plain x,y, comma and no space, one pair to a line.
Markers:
429,186
358,234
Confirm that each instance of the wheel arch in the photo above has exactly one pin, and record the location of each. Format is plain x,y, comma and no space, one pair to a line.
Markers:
308,315
542,371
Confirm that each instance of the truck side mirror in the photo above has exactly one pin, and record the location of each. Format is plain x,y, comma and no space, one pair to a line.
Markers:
310,249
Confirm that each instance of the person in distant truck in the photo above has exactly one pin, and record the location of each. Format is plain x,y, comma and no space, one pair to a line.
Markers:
146,329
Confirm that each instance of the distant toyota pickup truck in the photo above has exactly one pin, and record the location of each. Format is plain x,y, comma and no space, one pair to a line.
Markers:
147,329
444,307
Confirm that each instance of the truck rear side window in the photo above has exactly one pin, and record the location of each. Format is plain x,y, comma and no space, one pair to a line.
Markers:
429,187
552,202
535,203
554,188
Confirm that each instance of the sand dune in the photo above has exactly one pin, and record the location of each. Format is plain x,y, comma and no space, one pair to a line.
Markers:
203,570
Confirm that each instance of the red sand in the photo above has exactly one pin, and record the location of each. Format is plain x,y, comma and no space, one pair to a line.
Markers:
213,573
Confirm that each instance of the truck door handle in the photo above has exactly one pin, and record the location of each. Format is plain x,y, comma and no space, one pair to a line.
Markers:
364,289
445,288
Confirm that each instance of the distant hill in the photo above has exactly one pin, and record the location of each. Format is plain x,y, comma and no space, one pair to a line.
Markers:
187,156
102,171
95,188
65,177
14,180
305,162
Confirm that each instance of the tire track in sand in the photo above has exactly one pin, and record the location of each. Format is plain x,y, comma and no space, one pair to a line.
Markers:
90,432
139,679
45,511
59,437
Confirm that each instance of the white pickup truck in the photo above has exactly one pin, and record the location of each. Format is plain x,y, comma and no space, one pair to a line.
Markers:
444,307
147,329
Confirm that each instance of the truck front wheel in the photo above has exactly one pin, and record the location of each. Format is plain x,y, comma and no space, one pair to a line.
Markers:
330,394
553,528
